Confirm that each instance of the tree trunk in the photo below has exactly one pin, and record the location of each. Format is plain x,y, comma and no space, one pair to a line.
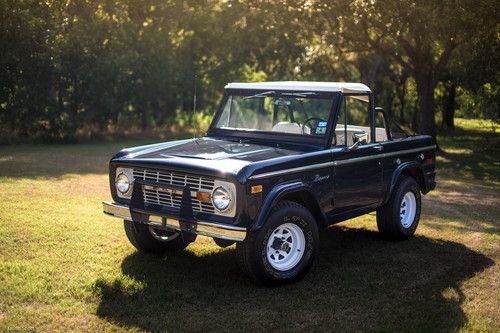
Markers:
389,102
449,106
143,108
158,112
144,117
414,118
425,91
402,99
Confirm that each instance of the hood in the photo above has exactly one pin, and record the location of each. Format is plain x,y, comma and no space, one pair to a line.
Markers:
207,153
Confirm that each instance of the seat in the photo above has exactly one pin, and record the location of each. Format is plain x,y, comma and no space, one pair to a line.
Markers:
292,128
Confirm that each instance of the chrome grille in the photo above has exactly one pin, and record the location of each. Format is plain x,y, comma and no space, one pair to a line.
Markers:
172,198
196,183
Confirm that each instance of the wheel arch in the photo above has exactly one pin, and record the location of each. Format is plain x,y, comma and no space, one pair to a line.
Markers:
296,192
410,169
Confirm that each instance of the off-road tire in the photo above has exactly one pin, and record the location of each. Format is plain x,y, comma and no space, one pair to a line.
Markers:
141,238
252,252
389,221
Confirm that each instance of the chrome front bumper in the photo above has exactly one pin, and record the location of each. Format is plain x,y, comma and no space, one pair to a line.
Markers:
208,229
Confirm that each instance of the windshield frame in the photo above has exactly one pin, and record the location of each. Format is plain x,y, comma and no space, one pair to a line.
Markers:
213,130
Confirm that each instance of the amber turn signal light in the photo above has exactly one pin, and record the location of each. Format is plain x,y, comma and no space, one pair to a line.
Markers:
203,196
429,161
256,189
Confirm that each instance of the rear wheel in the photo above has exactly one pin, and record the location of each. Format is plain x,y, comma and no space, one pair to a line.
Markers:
153,240
283,250
398,219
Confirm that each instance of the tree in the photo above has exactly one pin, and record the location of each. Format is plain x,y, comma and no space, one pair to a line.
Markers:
475,69
420,35
74,68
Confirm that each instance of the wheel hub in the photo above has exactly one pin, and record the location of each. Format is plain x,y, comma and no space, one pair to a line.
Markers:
408,209
280,245
277,243
285,246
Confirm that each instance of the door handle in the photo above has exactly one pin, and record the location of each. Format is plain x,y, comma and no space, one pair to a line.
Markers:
379,148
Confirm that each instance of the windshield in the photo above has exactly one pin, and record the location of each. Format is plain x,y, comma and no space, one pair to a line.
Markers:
298,113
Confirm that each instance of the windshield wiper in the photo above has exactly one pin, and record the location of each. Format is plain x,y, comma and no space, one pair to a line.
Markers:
262,94
301,94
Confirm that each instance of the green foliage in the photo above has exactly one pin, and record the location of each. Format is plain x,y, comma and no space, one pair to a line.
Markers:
251,74
77,69
484,104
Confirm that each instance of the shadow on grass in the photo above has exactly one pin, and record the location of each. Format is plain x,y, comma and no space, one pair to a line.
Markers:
359,282
484,166
481,157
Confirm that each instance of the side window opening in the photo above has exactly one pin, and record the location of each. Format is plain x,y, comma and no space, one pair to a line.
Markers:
380,128
354,118
397,133
386,129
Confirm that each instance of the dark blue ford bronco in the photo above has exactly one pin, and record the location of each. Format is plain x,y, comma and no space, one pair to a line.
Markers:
280,161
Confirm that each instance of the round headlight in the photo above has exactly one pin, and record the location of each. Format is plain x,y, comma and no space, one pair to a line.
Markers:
221,198
122,183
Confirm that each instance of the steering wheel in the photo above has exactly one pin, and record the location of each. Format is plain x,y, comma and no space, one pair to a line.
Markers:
308,122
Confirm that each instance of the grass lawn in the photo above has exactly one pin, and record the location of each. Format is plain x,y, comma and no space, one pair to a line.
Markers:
64,266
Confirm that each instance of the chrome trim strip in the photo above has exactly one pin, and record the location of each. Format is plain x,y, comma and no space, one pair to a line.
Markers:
357,159
408,151
208,229
339,162
285,171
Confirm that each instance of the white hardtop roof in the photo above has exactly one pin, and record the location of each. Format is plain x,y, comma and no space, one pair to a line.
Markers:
302,86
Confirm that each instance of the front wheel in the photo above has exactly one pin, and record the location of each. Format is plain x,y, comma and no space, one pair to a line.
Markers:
153,240
398,219
283,249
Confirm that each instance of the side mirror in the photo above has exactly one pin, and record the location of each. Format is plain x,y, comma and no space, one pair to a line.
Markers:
359,138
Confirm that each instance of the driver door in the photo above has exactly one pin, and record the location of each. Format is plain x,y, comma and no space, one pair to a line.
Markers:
357,177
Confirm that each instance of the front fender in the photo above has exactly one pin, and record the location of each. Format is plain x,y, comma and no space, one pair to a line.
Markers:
278,192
